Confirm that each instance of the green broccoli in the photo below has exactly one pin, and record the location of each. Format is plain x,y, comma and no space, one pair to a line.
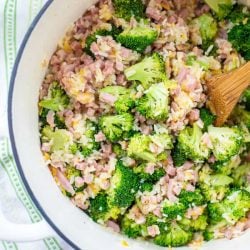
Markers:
117,149
138,147
100,210
173,210
146,177
114,126
174,236
163,140
154,104
238,14
190,142
58,120
138,38
241,175
90,144
151,220
207,117
43,117
129,8
195,225
221,7
233,207
147,180
124,97
211,231
61,138
71,173
130,227
213,186
149,71
239,36
124,186
98,207
56,99
101,32
241,115
226,142
226,167
246,99
178,155
207,28
190,199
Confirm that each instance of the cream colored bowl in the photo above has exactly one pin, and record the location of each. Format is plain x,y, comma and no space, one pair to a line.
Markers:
67,220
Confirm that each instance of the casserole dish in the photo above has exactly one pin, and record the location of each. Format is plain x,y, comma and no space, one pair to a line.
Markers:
69,222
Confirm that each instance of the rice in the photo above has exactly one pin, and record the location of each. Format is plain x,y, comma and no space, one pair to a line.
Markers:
84,167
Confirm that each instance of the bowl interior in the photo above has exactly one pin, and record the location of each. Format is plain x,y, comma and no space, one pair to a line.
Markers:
74,225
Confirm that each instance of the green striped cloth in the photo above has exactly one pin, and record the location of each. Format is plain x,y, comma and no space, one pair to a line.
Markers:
15,17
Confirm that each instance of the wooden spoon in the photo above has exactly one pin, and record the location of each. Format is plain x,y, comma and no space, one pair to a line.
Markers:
225,90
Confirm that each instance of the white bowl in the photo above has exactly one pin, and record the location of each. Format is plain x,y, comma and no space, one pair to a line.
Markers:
68,221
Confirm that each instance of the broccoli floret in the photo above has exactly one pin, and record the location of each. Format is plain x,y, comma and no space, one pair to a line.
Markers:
190,199
221,7
195,225
163,140
200,223
226,142
173,210
209,233
147,180
213,186
149,71
146,186
154,104
233,207
61,138
241,175
72,172
114,126
58,120
175,236
138,38
207,117
146,177
152,219
246,99
226,167
240,115
130,227
238,14
178,155
239,36
56,99
101,32
124,186
90,145
207,28
190,142
99,207
124,98
43,117
124,104
139,147
129,8
117,149
100,210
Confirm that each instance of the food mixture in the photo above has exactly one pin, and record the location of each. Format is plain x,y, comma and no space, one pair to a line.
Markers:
125,123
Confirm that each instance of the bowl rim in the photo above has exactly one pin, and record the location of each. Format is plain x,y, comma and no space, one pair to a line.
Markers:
10,123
